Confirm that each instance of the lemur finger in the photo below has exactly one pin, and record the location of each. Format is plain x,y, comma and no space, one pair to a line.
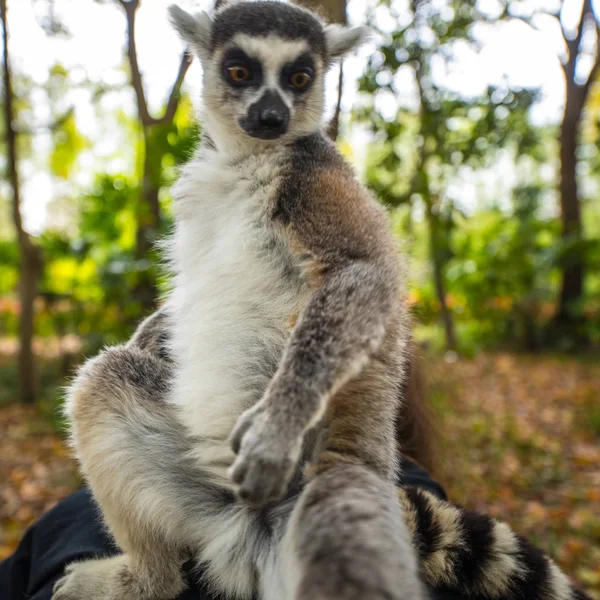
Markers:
239,431
237,472
236,438
256,489
251,490
262,479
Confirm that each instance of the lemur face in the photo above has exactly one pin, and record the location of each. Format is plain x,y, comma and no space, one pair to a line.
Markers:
267,86
264,68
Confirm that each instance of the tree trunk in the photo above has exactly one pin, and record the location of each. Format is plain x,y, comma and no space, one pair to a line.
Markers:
149,217
333,128
333,10
148,224
438,276
571,291
421,184
30,269
30,254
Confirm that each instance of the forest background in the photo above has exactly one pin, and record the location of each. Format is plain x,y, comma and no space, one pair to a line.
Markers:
476,122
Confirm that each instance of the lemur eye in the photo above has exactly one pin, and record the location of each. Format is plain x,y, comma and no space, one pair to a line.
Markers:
300,79
239,73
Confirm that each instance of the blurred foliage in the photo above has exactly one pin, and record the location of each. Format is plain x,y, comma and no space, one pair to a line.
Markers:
489,258
90,270
496,259
493,264
67,144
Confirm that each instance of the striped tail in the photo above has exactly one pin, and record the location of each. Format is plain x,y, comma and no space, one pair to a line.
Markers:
474,556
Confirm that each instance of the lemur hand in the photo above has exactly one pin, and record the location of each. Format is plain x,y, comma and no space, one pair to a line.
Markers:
268,453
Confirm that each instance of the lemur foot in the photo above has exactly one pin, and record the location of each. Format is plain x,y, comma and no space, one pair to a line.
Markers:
91,580
266,456
110,579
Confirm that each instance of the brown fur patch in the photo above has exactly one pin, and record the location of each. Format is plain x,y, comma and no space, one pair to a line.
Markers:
360,417
332,223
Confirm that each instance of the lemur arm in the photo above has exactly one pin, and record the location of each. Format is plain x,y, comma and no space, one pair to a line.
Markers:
352,265
340,235
342,326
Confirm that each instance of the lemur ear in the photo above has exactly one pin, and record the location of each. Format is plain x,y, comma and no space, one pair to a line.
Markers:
195,30
342,40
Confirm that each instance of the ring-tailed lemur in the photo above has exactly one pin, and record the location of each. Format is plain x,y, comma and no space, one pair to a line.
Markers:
283,338
460,554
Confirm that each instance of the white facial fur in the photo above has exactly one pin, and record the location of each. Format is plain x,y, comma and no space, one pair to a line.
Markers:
273,53
223,107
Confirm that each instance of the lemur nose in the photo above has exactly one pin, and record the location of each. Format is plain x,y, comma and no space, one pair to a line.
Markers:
271,118
268,118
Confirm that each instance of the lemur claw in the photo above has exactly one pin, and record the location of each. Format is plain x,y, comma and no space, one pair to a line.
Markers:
266,459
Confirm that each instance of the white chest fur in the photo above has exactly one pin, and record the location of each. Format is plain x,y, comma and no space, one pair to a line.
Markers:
236,287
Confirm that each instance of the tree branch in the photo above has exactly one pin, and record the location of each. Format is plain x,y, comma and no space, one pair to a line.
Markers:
529,20
596,16
175,95
574,44
595,67
130,8
333,128
11,135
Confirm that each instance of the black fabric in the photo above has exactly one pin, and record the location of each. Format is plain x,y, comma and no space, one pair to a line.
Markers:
413,475
73,530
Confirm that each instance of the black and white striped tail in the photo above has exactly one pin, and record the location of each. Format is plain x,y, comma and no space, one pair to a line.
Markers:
474,556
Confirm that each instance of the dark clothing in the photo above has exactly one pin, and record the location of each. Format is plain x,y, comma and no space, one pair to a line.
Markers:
73,531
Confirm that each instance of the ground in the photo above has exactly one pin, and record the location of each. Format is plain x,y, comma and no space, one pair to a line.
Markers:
519,437
520,440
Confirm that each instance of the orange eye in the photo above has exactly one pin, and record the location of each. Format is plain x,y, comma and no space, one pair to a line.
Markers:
238,73
300,79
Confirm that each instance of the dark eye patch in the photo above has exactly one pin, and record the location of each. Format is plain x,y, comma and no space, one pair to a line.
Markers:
303,64
236,57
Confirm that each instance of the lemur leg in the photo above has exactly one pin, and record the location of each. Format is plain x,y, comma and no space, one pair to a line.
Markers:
127,443
346,540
